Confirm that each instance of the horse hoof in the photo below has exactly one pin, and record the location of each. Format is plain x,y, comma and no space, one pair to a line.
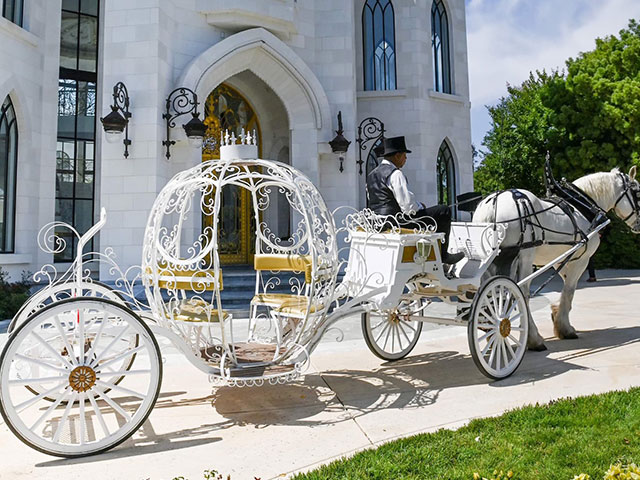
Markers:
569,336
538,348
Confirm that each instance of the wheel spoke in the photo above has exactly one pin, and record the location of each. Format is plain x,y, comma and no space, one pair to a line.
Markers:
504,353
405,333
114,405
63,420
125,354
31,381
98,336
510,348
83,420
386,339
81,339
63,334
490,342
513,339
113,386
382,332
113,342
483,337
19,408
52,350
40,363
499,356
124,372
514,304
98,413
49,410
493,351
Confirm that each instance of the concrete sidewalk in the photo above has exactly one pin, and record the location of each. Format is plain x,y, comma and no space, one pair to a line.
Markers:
350,400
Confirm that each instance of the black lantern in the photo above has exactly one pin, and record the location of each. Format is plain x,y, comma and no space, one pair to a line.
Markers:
115,123
182,101
339,144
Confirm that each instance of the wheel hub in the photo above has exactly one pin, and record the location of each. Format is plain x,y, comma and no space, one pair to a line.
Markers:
505,327
82,378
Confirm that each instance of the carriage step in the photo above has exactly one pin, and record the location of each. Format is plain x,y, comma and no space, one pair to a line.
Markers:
261,371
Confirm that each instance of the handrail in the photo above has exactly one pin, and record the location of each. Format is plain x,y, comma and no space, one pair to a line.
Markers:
84,239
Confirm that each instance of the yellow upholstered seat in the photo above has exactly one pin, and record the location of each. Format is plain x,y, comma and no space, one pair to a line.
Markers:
273,299
297,307
280,262
198,311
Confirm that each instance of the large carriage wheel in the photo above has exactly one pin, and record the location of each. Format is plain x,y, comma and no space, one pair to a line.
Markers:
388,334
80,345
63,291
498,327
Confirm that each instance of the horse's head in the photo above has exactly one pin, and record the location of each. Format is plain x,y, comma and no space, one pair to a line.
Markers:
627,206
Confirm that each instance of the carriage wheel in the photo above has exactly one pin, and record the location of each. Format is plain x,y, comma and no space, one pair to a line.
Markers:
59,292
80,346
388,335
498,327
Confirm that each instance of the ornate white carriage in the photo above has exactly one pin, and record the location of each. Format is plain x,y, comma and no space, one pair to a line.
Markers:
82,369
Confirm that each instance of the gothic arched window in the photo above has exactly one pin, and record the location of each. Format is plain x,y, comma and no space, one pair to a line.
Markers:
446,176
440,48
379,45
8,169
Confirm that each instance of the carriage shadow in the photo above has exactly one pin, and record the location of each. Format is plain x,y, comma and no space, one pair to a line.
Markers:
336,396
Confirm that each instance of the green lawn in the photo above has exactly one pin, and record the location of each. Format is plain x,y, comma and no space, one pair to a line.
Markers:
548,442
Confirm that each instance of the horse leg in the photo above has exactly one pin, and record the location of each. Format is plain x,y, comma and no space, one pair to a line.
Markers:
535,341
560,311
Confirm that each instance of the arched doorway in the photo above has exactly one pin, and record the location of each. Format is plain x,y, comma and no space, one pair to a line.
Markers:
227,109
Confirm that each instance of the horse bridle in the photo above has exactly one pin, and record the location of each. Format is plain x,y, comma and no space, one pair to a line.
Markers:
631,193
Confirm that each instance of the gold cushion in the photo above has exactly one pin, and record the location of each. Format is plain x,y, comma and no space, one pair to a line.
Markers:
274,299
298,307
197,311
280,262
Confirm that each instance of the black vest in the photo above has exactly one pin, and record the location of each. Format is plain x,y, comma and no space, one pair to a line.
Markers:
380,196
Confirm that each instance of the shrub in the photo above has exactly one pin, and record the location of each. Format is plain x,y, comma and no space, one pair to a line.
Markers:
12,295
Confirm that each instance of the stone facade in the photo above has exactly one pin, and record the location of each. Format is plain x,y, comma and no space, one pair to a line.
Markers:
299,62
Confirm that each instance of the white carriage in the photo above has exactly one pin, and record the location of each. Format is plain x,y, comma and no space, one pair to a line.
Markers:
82,368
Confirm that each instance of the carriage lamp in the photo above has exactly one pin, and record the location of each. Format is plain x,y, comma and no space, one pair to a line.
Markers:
339,144
117,121
180,102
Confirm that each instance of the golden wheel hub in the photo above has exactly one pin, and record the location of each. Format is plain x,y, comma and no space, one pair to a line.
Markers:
82,378
505,327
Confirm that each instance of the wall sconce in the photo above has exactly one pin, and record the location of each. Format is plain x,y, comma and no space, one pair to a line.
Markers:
115,123
339,144
182,101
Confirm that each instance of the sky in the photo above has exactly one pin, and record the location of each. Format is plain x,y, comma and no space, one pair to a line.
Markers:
507,39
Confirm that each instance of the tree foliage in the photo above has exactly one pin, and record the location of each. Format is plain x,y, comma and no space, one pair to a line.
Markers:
587,117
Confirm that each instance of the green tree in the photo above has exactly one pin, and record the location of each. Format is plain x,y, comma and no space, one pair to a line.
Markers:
517,141
588,118
595,109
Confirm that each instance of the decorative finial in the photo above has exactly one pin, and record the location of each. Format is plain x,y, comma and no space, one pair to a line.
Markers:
242,137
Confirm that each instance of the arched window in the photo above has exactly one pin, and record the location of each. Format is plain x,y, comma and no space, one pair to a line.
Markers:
446,177
379,45
8,169
440,48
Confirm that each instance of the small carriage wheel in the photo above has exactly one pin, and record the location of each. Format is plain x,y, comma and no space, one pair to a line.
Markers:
498,327
388,335
63,291
81,355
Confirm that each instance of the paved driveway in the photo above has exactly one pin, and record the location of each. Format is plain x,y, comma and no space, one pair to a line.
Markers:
350,400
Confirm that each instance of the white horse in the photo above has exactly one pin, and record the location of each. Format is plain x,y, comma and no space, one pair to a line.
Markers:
612,190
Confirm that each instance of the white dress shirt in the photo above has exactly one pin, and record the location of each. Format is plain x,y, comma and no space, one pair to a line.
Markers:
404,197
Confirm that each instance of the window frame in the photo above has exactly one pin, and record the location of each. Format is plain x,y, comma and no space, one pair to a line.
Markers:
17,16
388,83
10,226
81,144
445,154
441,54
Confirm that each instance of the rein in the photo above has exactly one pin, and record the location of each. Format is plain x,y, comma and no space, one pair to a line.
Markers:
631,195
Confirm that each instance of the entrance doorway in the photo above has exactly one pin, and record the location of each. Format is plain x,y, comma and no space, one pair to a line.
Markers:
226,109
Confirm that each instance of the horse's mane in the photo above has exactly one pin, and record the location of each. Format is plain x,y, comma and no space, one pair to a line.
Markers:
600,186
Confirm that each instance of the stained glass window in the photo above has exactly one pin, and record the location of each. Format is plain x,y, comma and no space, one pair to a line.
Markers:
446,177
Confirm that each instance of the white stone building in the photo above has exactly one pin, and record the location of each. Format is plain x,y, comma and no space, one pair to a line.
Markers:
282,67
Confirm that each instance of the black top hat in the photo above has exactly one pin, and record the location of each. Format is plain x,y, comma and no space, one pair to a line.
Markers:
394,145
